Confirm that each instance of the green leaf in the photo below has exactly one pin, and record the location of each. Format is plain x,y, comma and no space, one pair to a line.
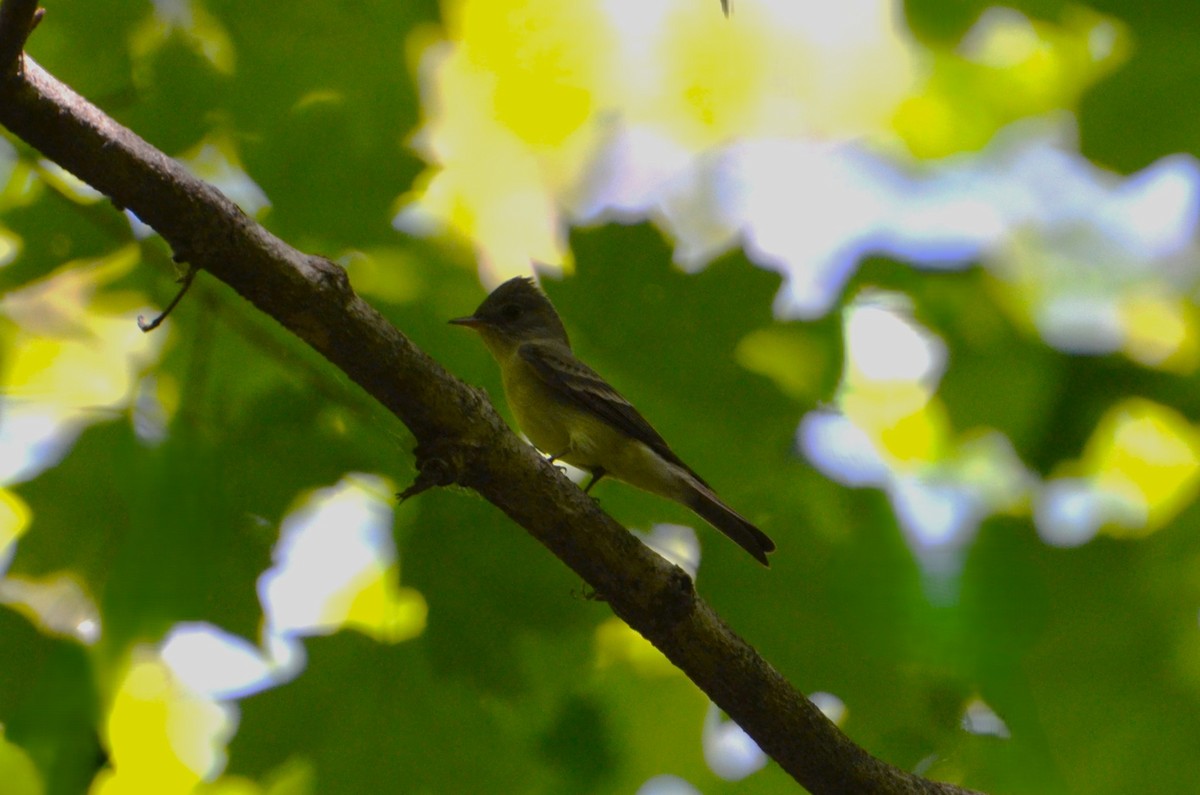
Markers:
48,705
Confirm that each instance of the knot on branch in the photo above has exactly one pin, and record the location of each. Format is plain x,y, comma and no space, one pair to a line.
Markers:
677,597
332,277
439,463
667,601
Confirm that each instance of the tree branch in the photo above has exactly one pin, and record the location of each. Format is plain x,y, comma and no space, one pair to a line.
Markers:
18,18
460,436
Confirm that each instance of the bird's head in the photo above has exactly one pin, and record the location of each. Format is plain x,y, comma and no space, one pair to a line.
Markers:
516,312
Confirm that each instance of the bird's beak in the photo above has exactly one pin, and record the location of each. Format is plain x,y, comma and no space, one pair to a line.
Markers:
470,321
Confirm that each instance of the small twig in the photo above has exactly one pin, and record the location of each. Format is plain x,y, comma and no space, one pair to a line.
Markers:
431,473
18,18
588,594
727,6
186,282
440,463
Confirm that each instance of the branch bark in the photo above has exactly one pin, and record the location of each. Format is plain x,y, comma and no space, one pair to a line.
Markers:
18,18
460,437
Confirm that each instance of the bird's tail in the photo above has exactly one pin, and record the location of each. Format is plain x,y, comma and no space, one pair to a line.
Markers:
710,508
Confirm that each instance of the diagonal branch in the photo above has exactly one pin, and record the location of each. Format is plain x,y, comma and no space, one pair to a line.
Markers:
460,436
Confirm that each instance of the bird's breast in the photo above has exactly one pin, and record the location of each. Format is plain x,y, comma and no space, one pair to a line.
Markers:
539,413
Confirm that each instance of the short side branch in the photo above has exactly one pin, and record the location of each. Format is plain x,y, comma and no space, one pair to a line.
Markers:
18,18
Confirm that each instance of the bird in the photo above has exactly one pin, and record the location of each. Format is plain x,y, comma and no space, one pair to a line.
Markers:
569,412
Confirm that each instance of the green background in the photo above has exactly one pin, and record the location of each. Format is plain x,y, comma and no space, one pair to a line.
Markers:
1090,655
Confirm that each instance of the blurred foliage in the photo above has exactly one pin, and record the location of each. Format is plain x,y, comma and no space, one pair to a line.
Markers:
167,506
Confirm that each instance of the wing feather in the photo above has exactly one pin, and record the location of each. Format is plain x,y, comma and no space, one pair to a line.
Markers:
579,384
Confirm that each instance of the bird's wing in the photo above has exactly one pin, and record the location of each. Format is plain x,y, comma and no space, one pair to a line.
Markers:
579,384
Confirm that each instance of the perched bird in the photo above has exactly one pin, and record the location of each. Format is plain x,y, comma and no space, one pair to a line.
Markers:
569,412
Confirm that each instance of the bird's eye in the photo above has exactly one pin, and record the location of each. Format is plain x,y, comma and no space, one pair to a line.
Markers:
510,312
